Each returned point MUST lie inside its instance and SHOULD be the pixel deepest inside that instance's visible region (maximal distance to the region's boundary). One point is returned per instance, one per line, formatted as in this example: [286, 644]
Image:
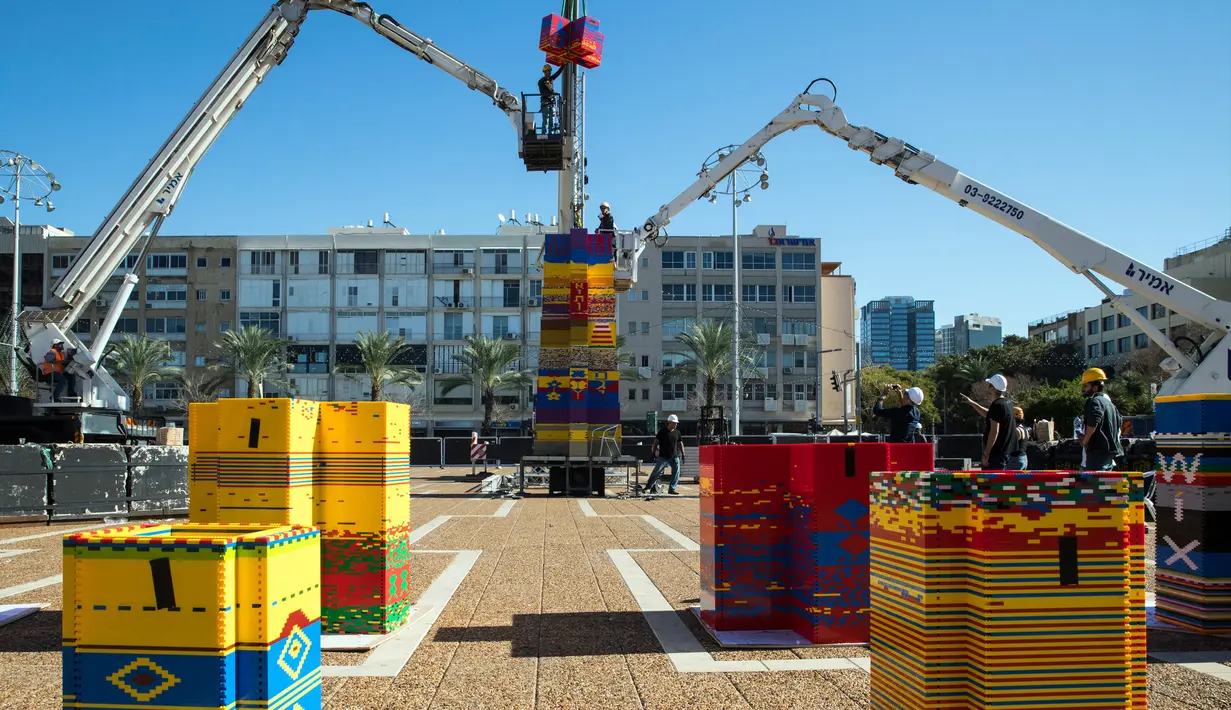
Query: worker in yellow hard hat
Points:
[548, 98]
[1100, 441]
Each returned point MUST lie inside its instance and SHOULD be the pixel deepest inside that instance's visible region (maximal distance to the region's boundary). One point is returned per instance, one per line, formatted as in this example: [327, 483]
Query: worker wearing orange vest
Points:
[53, 367]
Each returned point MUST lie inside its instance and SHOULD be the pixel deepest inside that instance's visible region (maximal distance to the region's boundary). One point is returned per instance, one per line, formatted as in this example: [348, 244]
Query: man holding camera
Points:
[904, 424]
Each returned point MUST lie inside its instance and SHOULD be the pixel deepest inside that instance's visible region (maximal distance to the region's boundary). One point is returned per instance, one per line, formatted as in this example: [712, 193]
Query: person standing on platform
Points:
[667, 450]
[548, 98]
[1017, 455]
[999, 425]
[1101, 440]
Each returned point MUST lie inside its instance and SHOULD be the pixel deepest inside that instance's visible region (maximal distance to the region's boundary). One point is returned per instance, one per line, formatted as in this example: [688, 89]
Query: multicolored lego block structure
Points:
[579, 378]
[1193, 506]
[577, 42]
[784, 536]
[1008, 590]
[192, 616]
[343, 467]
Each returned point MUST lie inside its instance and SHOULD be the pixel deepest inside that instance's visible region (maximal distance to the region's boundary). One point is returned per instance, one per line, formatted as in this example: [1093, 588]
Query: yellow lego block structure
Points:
[265, 450]
[196, 615]
[203, 462]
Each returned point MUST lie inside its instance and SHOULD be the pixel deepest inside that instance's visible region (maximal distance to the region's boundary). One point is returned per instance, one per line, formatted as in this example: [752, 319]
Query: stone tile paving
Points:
[543, 620]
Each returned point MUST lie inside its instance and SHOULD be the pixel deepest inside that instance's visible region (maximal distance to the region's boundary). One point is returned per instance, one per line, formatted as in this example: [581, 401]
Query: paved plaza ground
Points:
[550, 603]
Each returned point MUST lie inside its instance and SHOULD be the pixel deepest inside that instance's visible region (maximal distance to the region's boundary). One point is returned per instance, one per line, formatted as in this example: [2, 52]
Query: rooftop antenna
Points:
[388, 223]
[369, 224]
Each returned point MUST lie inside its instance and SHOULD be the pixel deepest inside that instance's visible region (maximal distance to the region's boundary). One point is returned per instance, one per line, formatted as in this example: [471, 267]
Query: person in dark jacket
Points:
[1101, 439]
[548, 97]
[904, 425]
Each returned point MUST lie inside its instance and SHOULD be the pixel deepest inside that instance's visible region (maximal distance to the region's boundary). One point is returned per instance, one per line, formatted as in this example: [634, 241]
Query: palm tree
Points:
[254, 355]
[384, 357]
[140, 361]
[974, 369]
[710, 356]
[489, 366]
[201, 385]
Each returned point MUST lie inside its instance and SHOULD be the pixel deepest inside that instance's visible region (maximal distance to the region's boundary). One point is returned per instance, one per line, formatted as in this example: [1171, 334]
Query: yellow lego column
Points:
[203, 462]
[363, 508]
[192, 616]
[264, 460]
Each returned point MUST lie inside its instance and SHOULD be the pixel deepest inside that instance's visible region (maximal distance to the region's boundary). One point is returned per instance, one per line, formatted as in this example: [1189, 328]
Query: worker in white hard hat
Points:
[54, 367]
[999, 424]
[548, 97]
[607, 225]
[904, 424]
[667, 450]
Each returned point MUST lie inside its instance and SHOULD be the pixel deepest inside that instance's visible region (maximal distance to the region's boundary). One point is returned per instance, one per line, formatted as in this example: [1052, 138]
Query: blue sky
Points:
[1112, 117]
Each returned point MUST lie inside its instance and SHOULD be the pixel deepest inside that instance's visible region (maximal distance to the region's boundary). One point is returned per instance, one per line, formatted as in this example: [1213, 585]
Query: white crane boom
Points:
[1208, 373]
[137, 217]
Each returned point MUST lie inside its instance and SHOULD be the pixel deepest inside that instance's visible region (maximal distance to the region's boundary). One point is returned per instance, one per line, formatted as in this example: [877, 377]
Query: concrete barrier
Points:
[158, 478]
[23, 481]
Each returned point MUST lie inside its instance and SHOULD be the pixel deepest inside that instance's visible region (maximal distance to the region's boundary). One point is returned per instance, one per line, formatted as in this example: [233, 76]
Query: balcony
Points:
[501, 270]
[771, 405]
[449, 302]
[502, 336]
[501, 302]
[645, 373]
[258, 270]
[675, 405]
[463, 269]
[763, 338]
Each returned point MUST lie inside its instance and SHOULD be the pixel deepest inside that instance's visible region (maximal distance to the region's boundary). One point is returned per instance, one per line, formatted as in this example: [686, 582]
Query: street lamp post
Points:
[16, 169]
[754, 170]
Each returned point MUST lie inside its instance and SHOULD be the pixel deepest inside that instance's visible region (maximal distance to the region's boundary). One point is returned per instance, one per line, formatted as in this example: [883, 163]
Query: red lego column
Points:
[744, 536]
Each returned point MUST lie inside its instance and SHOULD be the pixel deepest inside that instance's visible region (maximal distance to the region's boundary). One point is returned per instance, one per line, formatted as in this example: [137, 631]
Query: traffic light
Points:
[833, 378]
[813, 427]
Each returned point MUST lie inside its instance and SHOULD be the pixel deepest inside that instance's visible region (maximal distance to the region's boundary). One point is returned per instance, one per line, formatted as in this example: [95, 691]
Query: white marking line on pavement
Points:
[1205, 662]
[389, 658]
[30, 586]
[12, 553]
[61, 531]
[422, 531]
[679, 643]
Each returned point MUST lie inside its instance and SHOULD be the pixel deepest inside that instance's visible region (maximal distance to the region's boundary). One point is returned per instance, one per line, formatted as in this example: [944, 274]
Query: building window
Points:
[724, 260]
[799, 294]
[673, 259]
[224, 295]
[759, 292]
[1092, 327]
[645, 295]
[202, 262]
[225, 262]
[717, 292]
[500, 327]
[199, 361]
[202, 294]
[61, 261]
[352, 296]
[166, 295]
[165, 326]
[1123, 321]
[690, 260]
[1141, 340]
[162, 392]
[764, 326]
[645, 360]
[645, 327]
[632, 295]
[199, 328]
[126, 325]
[1125, 345]
[452, 326]
[261, 319]
[676, 391]
[1109, 347]
[310, 359]
[760, 260]
[82, 326]
[166, 261]
[1109, 323]
[679, 292]
[707, 260]
[799, 261]
[1158, 311]
[224, 326]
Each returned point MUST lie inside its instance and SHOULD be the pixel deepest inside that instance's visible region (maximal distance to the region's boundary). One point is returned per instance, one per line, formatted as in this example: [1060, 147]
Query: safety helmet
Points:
[605, 204]
[56, 341]
[673, 418]
[1094, 374]
[546, 67]
[999, 382]
[915, 395]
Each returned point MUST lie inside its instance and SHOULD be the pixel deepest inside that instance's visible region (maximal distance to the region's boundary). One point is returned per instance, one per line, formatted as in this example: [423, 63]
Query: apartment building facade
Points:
[321, 291]
[899, 331]
[945, 340]
[973, 331]
[795, 305]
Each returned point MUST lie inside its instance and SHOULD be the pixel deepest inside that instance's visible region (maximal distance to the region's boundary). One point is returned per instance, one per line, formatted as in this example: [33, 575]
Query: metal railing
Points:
[1203, 244]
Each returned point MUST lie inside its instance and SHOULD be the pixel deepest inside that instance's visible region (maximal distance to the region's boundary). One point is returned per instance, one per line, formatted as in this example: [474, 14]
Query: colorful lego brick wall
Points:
[579, 378]
[1193, 506]
[578, 41]
[192, 616]
[363, 509]
[784, 535]
[343, 467]
[1008, 590]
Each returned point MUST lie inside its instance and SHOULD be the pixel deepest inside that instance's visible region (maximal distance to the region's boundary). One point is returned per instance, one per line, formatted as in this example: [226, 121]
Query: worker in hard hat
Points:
[548, 98]
[607, 225]
[999, 424]
[904, 424]
[54, 367]
[667, 450]
[1101, 438]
